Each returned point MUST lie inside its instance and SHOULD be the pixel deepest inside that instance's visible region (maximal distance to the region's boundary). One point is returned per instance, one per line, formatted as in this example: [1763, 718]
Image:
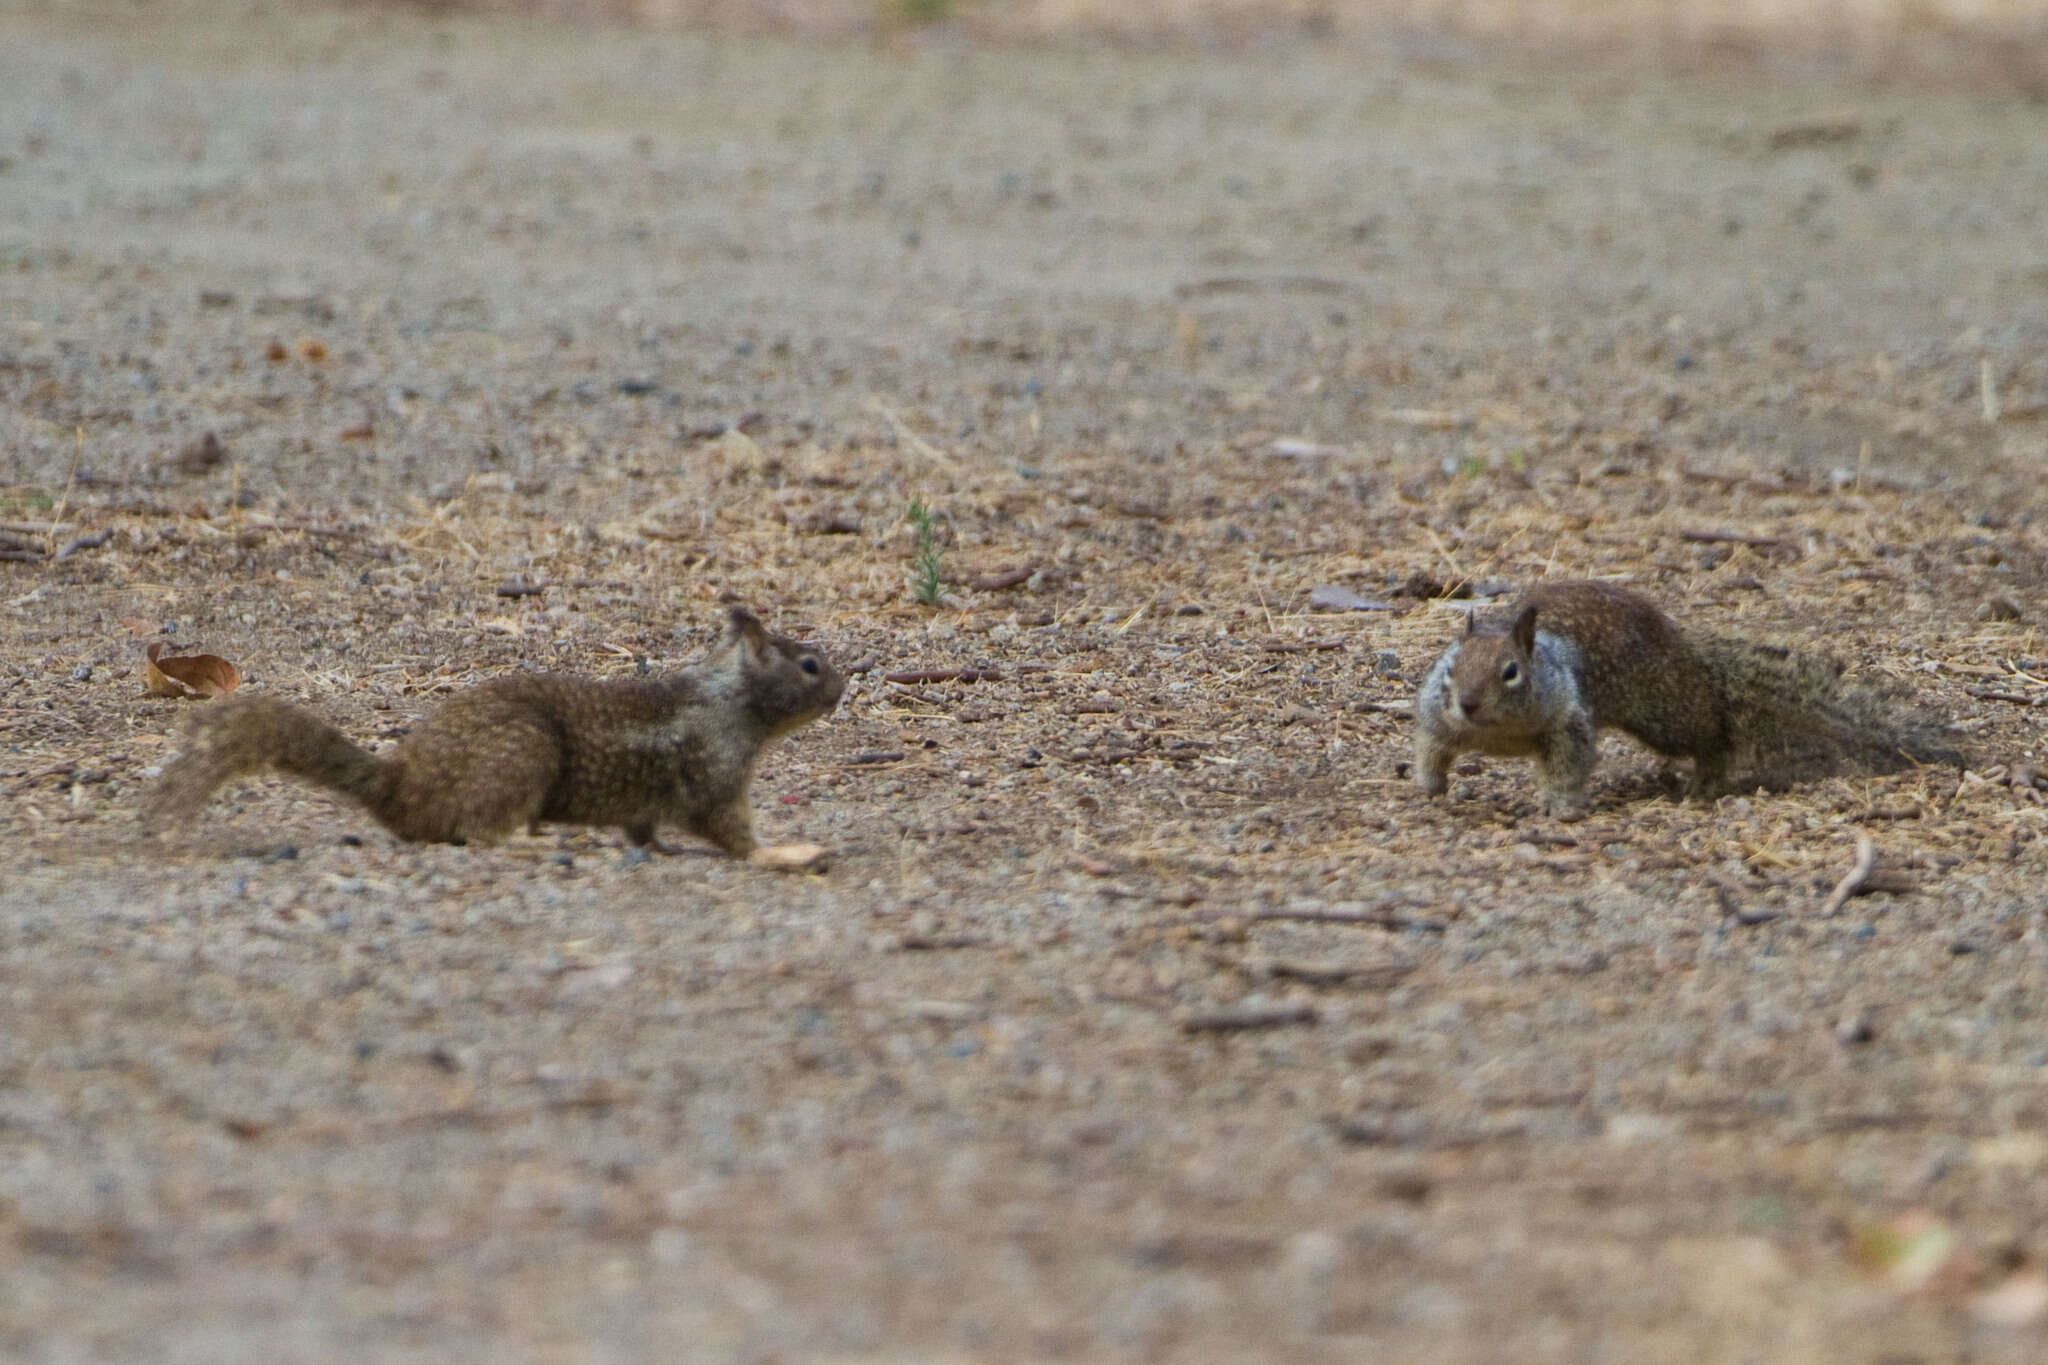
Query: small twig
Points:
[933, 943]
[1248, 1017]
[520, 589]
[1244, 284]
[1428, 419]
[909, 437]
[1737, 538]
[1377, 977]
[1814, 131]
[1993, 694]
[1347, 914]
[1859, 874]
[881, 756]
[305, 529]
[1338, 974]
[1750, 481]
[1133, 618]
[912, 694]
[88, 542]
[912, 676]
[70, 482]
[1009, 578]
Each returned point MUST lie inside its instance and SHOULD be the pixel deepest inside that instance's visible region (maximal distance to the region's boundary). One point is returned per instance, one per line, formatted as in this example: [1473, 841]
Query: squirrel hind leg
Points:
[472, 816]
[475, 794]
[641, 834]
[1710, 777]
[730, 826]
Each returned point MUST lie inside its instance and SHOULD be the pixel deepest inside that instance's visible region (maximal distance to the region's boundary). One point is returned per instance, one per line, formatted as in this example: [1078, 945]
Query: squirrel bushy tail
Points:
[242, 735]
[1798, 718]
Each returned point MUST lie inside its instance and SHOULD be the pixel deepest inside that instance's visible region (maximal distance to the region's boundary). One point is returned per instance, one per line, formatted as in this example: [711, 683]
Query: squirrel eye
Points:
[1510, 671]
[810, 663]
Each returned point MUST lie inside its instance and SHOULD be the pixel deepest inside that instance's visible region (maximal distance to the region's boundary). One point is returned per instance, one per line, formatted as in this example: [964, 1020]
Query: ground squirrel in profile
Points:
[534, 747]
[1574, 658]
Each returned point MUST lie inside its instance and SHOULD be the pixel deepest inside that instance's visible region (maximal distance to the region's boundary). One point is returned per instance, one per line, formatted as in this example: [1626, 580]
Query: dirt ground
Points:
[1168, 339]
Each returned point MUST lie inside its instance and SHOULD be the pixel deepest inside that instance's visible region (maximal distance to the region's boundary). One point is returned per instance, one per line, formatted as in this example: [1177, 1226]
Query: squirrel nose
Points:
[1470, 706]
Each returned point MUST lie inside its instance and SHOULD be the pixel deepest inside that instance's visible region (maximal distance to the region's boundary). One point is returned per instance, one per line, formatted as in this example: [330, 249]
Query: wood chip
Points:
[792, 857]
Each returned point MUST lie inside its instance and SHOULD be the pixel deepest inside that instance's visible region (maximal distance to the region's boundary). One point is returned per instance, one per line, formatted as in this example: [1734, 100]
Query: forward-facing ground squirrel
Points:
[534, 747]
[1574, 658]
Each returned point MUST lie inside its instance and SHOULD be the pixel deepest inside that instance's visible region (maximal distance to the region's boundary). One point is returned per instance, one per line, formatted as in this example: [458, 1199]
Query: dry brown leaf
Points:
[187, 675]
[1912, 1253]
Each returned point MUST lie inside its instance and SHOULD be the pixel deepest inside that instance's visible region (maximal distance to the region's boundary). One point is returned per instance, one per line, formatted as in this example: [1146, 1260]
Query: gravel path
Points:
[1144, 1012]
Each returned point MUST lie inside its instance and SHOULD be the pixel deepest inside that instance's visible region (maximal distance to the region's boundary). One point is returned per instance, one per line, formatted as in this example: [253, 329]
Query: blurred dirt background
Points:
[1144, 1012]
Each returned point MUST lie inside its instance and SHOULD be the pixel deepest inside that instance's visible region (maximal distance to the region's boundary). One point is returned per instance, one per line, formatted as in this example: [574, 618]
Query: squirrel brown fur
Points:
[1574, 658]
[534, 747]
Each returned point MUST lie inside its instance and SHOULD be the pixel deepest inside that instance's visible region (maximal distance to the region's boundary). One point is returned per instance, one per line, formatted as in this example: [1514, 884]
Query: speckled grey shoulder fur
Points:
[1555, 707]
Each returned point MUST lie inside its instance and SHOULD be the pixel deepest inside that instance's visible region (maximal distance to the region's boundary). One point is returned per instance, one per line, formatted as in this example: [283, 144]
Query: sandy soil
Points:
[659, 322]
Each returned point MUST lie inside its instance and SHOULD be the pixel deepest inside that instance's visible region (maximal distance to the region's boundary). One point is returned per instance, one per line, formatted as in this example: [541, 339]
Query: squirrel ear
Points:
[1524, 630]
[743, 625]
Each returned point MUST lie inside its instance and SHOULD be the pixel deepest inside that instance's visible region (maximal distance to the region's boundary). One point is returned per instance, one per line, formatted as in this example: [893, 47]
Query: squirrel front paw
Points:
[1432, 767]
